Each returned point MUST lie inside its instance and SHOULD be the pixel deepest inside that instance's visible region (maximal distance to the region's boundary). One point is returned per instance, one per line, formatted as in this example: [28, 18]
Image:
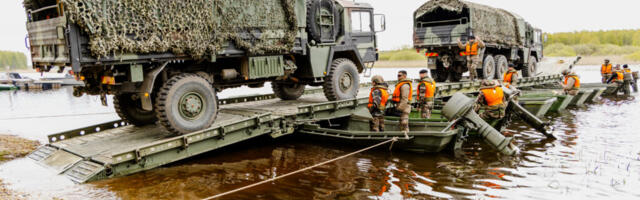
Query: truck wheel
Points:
[531, 69]
[186, 103]
[502, 66]
[287, 91]
[131, 111]
[316, 9]
[343, 80]
[488, 68]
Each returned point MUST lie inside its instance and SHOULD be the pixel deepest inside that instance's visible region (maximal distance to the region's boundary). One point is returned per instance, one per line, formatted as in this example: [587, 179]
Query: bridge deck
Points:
[117, 149]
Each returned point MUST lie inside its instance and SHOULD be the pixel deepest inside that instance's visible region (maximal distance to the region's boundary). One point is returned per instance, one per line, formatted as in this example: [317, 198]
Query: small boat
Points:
[581, 98]
[560, 104]
[538, 106]
[426, 135]
[8, 87]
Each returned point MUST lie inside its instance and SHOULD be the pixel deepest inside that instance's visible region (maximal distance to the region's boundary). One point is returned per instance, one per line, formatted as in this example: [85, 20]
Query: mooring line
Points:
[52, 116]
[394, 139]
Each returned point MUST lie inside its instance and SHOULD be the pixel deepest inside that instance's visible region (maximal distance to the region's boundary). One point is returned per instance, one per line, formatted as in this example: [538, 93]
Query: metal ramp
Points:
[117, 149]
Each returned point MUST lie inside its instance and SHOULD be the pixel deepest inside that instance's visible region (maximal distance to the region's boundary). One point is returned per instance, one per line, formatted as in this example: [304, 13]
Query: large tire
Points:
[186, 103]
[502, 66]
[131, 111]
[287, 91]
[343, 80]
[531, 69]
[488, 71]
[314, 7]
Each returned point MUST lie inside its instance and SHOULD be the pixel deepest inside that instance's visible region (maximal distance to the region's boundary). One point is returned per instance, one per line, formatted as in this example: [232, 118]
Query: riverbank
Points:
[12, 147]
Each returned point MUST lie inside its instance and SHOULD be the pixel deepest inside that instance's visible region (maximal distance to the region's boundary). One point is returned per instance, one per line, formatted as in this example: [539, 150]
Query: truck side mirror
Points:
[379, 22]
[546, 37]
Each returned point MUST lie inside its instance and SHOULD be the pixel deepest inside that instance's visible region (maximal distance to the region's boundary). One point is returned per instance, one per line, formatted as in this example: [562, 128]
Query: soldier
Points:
[627, 79]
[378, 98]
[492, 100]
[402, 99]
[606, 70]
[426, 93]
[474, 60]
[571, 84]
[510, 78]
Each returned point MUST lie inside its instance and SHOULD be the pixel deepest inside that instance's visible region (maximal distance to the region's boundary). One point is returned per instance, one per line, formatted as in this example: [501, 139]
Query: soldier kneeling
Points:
[378, 98]
[492, 101]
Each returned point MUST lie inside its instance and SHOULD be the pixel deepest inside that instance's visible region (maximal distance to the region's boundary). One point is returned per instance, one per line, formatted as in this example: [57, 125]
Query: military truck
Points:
[439, 24]
[165, 60]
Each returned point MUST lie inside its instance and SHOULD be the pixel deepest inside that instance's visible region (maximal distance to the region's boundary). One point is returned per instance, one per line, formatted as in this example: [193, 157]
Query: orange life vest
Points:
[576, 85]
[493, 96]
[606, 69]
[383, 101]
[430, 89]
[620, 76]
[507, 79]
[396, 92]
[627, 70]
[472, 49]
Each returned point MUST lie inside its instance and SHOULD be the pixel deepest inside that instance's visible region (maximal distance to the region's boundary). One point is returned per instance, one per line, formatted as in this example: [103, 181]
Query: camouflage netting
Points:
[491, 24]
[194, 27]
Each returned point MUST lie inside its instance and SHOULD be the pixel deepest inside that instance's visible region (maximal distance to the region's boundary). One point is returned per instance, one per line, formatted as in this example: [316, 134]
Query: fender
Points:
[349, 49]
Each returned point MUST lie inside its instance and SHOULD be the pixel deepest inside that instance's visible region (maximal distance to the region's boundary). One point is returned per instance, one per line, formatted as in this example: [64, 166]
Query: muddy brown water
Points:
[596, 156]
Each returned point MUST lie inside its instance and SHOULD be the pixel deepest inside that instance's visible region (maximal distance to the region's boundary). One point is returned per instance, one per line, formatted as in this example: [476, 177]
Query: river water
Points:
[596, 156]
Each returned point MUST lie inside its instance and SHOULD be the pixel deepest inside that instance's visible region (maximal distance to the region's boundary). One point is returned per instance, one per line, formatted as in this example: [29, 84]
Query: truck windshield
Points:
[360, 21]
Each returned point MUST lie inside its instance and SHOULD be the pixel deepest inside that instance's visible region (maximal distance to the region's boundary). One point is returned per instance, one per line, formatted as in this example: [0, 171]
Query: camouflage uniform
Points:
[491, 113]
[425, 105]
[377, 111]
[404, 106]
[473, 61]
[569, 86]
[628, 78]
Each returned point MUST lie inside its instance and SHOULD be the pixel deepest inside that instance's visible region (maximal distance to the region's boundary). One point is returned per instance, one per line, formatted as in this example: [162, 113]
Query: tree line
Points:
[13, 59]
[613, 37]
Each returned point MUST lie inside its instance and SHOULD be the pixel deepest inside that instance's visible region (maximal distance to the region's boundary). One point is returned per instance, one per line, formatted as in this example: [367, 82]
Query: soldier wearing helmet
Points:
[510, 78]
[378, 98]
[492, 101]
[571, 84]
[606, 70]
[425, 94]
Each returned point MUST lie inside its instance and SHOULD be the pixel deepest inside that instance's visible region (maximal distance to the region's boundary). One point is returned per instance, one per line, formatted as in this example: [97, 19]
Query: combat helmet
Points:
[377, 79]
[486, 83]
[566, 72]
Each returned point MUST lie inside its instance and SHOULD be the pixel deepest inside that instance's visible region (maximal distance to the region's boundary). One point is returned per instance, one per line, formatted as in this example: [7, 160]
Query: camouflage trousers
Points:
[473, 63]
[404, 122]
[605, 77]
[493, 113]
[377, 124]
[425, 108]
[572, 92]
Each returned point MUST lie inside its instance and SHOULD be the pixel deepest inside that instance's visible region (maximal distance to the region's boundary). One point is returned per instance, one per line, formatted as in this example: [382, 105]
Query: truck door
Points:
[362, 33]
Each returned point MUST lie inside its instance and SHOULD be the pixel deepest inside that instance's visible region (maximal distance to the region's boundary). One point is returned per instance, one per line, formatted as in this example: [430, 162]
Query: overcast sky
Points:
[549, 15]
